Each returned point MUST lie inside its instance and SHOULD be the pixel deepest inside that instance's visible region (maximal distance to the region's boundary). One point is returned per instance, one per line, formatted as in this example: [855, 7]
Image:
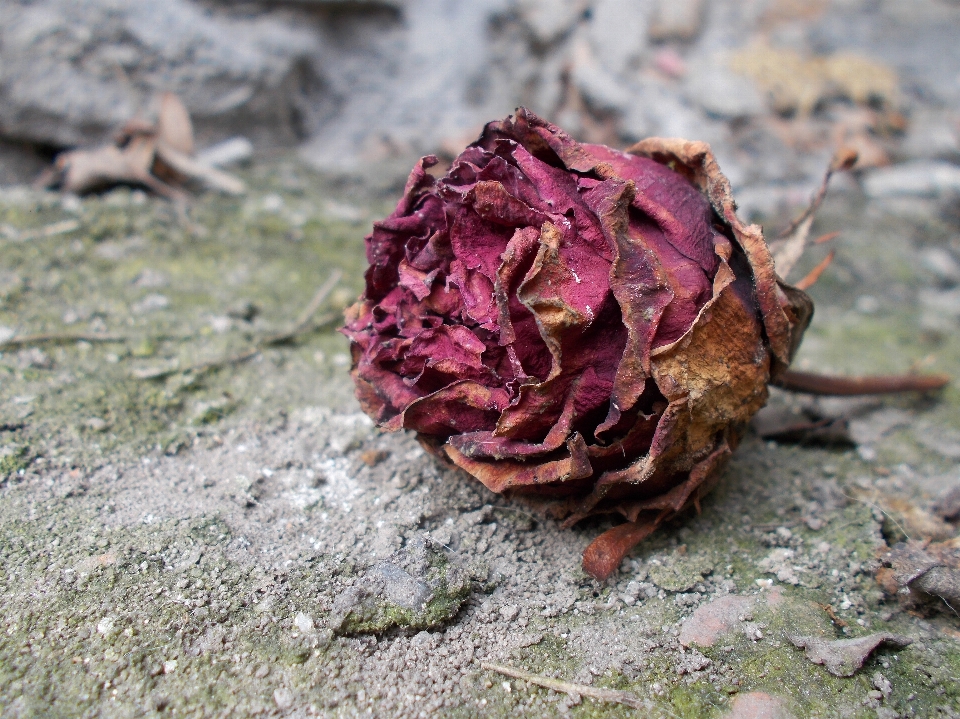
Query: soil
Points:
[181, 540]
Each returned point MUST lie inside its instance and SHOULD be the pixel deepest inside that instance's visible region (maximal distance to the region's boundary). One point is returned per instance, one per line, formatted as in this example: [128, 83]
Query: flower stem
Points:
[811, 383]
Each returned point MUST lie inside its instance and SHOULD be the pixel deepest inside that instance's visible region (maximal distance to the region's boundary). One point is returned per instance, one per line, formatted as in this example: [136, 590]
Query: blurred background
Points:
[186, 482]
[361, 87]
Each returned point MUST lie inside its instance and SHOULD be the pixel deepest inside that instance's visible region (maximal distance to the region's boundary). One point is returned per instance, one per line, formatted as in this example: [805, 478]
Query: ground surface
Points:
[239, 541]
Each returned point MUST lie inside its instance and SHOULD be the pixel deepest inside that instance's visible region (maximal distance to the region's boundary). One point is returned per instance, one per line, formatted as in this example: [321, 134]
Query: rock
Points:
[942, 440]
[283, 698]
[150, 278]
[942, 264]
[303, 622]
[417, 587]
[932, 133]
[62, 58]
[692, 662]
[617, 32]
[939, 309]
[679, 573]
[676, 20]
[600, 87]
[33, 358]
[948, 505]
[549, 19]
[873, 427]
[921, 178]
[402, 589]
[843, 657]
[720, 91]
[509, 612]
[780, 562]
[714, 620]
[759, 705]
[150, 303]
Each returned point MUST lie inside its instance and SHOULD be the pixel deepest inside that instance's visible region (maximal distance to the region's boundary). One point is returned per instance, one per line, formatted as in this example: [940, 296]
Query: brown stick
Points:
[811, 383]
[558, 685]
[279, 338]
[843, 159]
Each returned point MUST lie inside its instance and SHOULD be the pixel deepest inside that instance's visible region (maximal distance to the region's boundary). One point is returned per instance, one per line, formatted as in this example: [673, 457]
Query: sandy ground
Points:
[245, 543]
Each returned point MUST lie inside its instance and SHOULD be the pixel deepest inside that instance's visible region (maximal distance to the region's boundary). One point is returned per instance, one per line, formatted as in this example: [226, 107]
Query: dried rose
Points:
[581, 326]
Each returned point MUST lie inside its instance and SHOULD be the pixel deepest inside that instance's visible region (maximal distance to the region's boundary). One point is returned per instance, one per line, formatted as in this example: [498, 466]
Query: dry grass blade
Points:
[810, 279]
[790, 246]
[318, 299]
[57, 339]
[41, 233]
[558, 685]
[302, 326]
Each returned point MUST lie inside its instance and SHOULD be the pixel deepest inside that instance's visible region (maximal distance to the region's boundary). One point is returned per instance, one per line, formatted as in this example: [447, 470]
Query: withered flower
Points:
[588, 328]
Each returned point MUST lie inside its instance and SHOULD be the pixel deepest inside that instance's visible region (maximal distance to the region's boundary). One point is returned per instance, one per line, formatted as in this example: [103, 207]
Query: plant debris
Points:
[843, 657]
[798, 84]
[574, 690]
[158, 156]
[586, 328]
[923, 570]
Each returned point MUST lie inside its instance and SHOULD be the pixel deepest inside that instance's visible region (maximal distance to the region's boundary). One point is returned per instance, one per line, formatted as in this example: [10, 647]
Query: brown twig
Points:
[844, 159]
[811, 383]
[558, 685]
[302, 326]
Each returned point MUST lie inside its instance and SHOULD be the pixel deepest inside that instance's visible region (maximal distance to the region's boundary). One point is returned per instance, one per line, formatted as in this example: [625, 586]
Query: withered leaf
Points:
[932, 569]
[843, 657]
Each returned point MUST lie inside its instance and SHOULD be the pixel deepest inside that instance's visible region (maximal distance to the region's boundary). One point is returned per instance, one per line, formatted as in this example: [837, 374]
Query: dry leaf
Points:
[173, 124]
[930, 569]
[155, 156]
[843, 657]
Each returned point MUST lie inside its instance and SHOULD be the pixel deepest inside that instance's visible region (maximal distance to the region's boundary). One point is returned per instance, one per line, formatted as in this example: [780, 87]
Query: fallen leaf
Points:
[209, 176]
[157, 156]
[948, 506]
[173, 124]
[801, 426]
[843, 657]
[931, 569]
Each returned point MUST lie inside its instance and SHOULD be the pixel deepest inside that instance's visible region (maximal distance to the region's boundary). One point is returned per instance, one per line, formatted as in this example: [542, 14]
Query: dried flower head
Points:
[585, 327]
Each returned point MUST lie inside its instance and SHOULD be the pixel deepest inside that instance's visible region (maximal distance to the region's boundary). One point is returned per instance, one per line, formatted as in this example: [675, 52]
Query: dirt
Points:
[243, 542]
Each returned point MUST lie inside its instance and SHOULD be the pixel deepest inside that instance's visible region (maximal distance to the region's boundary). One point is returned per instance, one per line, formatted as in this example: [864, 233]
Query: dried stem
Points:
[789, 247]
[844, 159]
[302, 326]
[811, 277]
[57, 338]
[606, 695]
[811, 383]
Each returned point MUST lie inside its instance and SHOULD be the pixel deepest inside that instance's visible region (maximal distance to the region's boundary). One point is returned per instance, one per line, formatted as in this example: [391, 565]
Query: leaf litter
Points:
[156, 155]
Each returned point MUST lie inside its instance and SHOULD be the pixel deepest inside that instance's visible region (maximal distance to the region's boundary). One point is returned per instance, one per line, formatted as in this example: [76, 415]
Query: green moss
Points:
[14, 459]
[449, 587]
[88, 281]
